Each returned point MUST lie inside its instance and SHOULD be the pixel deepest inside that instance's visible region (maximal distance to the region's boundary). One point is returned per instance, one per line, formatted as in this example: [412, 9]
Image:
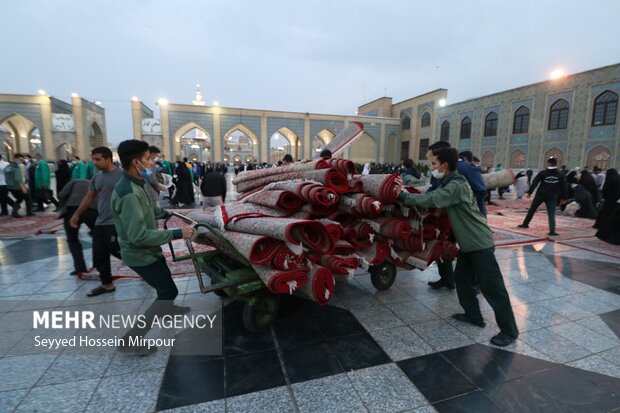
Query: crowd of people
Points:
[120, 205]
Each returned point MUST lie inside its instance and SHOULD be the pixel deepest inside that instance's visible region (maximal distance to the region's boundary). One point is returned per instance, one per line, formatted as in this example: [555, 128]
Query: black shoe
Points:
[178, 310]
[502, 339]
[523, 226]
[4, 214]
[77, 272]
[31, 214]
[16, 215]
[467, 319]
[137, 350]
[552, 234]
[441, 284]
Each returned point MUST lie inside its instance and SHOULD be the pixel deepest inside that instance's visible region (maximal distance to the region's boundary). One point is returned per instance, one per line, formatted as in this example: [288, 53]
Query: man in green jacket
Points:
[42, 183]
[79, 169]
[135, 217]
[476, 263]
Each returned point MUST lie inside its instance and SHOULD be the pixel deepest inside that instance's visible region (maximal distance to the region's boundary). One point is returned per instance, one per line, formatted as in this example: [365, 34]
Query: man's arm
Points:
[441, 197]
[86, 202]
[534, 183]
[131, 217]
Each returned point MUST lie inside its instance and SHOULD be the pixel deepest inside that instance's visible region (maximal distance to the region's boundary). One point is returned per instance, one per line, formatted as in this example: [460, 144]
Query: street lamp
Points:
[442, 102]
[557, 74]
[162, 101]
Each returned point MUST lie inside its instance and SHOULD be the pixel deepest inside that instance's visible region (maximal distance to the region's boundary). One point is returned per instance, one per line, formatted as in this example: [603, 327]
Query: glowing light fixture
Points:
[35, 141]
[97, 102]
[162, 101]
[216, 103]
[557, 74]
[75, 95]
[42, 92]
[135, 99]
[442, 102]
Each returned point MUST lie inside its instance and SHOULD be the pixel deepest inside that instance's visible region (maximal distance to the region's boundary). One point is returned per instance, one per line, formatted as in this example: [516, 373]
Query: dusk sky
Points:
[310, 56]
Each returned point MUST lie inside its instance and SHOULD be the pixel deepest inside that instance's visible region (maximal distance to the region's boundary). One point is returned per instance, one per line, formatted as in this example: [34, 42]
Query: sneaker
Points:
[441, 284]
[502, 339]
[467, 319]
[137, 350]
[523, 226]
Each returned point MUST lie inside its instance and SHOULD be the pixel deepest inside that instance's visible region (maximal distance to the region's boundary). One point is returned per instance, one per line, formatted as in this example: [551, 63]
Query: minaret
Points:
[198, 100]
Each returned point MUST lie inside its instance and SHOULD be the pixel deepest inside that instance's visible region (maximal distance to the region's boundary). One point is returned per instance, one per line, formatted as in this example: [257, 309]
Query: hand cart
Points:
[234, 277]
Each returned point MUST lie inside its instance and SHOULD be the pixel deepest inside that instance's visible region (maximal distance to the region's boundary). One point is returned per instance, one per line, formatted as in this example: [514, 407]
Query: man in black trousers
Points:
[552, 186]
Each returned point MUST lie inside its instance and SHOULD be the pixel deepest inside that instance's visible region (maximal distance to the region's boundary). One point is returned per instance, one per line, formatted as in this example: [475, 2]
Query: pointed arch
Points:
[322, 138]
[238, 151]
[517, 159]
[599, 156]
[188, 127]
[95, 137]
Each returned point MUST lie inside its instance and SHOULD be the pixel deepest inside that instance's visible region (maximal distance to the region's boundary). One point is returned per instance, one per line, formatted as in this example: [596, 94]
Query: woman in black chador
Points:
[185, 188]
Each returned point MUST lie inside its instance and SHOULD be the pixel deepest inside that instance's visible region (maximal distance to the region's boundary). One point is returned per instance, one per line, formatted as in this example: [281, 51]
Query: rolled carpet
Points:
[339, 264]
[221, 215]
[310, 234]
[311, 192]
[278, 199]
[328, 177]
[375, 254]
[498, 179]
[360, 204]
[383, 186]
[263, 250]
[359, 234]
[282, 282]
[320, 285]
[298, 166]
[412, 244]
[345, 137]
[394, 228]
[333, 228]
[344, 248]
[344, 166]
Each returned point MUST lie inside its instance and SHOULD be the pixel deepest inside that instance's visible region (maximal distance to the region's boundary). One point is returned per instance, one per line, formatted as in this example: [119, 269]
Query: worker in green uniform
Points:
[476, 263]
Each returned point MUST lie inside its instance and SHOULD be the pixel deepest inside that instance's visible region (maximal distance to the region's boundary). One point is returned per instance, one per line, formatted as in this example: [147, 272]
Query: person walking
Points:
[105, 240]
[140, 240]
[42, 183]
[213, 188]
[476, 263]
[69, 200]
[15, 183]
[552, 187]
[63, 175]
[5, 200]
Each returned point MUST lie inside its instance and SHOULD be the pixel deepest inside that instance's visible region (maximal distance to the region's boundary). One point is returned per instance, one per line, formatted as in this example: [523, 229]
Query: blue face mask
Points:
[145, 173]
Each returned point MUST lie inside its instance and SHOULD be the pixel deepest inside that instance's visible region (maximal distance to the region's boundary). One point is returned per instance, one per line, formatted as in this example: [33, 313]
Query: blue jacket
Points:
[472, 174]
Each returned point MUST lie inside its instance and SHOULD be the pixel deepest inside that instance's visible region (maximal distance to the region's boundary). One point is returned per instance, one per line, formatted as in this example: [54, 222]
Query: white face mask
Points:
[436, 174]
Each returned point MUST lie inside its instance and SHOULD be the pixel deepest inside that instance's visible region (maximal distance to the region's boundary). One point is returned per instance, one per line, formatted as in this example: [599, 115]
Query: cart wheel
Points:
[383, 275]
[262, 314]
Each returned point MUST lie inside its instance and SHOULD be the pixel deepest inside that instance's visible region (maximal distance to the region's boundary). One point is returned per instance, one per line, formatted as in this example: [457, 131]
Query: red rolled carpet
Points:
[320, 285]
[382, 187]
[359, 234]
[339, 264]
[345, 137]
[278, 199]
[412, 244]
[344, 166]
[298, 166]
[282, 282]
[376, 253]
[360, 204]
[263, 250]
[394, 228]
[329, 177]
[310, 234]
[311, 192]
[344, 248]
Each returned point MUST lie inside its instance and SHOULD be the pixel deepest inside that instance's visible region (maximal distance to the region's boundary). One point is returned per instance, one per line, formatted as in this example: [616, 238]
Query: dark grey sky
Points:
[314, 56]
